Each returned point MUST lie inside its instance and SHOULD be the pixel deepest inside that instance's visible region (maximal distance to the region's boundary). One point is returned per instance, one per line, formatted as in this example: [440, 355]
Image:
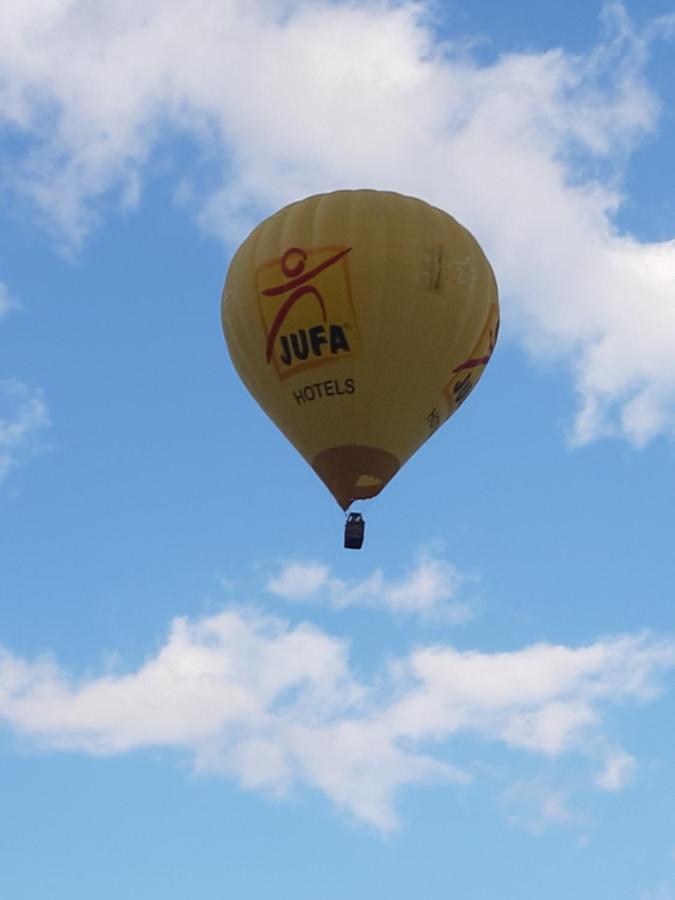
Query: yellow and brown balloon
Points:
[360, 321]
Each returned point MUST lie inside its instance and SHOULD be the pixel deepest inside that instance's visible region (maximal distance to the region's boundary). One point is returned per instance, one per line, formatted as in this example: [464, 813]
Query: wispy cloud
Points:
[300, 97]
[430, 588]
[665, 890]
[7, 302]
[23, 416]
[617, 772]
[299, 581]
[272, 706]
[536, 804]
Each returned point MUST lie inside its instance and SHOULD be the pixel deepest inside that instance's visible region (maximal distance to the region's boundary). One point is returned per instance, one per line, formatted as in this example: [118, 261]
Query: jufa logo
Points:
[306, 308]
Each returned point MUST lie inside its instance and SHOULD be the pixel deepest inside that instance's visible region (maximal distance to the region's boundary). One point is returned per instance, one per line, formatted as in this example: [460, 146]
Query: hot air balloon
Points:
[360, 321]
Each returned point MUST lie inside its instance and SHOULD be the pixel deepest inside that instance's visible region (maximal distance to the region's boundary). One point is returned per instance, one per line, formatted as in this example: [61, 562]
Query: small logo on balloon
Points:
[307, 309]
[465, 376]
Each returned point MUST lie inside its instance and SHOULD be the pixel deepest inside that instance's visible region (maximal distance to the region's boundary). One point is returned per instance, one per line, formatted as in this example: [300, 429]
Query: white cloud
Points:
[429, 589]
[300, 97]
[23, 411]
[23, 415]
[544, 698]
[299, 581]
[248, 697]
[618, 771]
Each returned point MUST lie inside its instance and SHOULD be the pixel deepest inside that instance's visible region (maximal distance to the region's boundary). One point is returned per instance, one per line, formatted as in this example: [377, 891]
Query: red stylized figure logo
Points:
[293, 264]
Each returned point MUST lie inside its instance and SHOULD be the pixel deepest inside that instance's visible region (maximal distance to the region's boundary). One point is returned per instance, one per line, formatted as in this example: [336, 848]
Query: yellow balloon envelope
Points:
[360, 321]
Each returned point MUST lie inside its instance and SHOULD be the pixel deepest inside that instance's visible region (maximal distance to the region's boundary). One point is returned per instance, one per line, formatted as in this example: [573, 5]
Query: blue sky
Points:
[201, 692]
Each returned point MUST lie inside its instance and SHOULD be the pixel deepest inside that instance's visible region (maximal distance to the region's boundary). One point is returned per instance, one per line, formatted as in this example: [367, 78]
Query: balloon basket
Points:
[355, 527]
